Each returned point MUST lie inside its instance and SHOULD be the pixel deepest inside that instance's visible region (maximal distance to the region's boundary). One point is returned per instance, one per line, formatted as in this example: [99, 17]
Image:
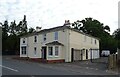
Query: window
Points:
[95, 42]
[23, 40]
[56, 35]
[23, 49]
[44, 37]
[35, 38]
[50, 51]
[35, 50]
[56, 50]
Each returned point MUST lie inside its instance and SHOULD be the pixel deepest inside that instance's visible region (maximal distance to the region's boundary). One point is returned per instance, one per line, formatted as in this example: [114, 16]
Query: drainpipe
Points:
[69, 51]
[27, 47]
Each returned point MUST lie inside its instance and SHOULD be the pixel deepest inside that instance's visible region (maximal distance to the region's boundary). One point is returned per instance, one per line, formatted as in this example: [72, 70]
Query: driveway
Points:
[17, 67]
[96, 67]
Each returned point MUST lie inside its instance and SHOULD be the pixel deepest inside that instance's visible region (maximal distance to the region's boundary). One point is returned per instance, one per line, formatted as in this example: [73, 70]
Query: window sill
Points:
[24, 54]
[23, 44]
[55, 40]
[50, 56]
[35, 43]
[56, 56]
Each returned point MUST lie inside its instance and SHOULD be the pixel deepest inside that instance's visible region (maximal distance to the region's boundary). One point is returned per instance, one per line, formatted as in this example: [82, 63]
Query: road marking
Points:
[9, 68]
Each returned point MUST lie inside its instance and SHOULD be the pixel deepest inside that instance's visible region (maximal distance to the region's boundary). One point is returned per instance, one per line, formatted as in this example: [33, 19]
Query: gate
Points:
[76, 54]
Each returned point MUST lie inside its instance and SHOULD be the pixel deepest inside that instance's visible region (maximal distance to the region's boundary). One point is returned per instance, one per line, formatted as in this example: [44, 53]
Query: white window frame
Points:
[95, 41]
[24, 50]
[44, 37]
[35, 38]
[23, 41]
[51, 51]
[56, 36]
[57, 51]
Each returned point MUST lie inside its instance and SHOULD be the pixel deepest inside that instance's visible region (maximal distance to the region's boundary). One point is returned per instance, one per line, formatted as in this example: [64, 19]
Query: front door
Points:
[72, 54]
[44, 52]
[86, 54]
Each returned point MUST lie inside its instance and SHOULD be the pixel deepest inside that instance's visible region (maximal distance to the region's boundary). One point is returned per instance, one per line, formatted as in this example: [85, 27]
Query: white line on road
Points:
[9, 68]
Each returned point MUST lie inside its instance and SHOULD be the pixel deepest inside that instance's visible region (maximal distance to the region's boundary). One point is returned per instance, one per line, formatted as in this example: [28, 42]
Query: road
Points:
[18, 67]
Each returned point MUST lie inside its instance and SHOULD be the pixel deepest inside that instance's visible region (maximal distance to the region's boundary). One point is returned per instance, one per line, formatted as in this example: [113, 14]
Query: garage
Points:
[76, 55]
[84, 54]
[95, 53]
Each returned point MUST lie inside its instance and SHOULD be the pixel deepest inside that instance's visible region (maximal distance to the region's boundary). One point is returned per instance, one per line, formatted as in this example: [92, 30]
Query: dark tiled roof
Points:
[54, 43]
[56, 29]
[47, 30]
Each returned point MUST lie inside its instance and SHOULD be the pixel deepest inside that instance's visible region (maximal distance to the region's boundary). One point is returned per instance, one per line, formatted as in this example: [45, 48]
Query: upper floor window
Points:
[95, 42]
[44, 37]
[56, 36]
[23, 40]
[35, 38]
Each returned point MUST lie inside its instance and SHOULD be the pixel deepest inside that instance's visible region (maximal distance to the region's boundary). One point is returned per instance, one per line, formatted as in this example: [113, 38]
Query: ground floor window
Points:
[56, 50]
[50, 51]
[35, 50]
[23, 49]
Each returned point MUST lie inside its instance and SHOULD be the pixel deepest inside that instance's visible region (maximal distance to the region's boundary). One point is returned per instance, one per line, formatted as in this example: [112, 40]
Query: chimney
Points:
[67, 23]
[38, 28]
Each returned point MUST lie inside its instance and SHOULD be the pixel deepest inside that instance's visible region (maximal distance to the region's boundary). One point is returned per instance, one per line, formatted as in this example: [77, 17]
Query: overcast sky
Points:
[51, 13]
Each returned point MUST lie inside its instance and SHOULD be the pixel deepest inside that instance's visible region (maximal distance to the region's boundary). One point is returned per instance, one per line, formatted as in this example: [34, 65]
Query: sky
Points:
[52, 13]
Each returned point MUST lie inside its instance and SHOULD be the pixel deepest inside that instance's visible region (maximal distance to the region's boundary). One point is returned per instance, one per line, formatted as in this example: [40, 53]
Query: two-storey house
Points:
[60, 43]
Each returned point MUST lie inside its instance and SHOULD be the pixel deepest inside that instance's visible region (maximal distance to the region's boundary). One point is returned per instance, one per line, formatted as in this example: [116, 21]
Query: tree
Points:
[31, 30]
[116, 35]
[5, 30]
[77, 25]
[12, 28]
[22, 26]
[91, 26]
[11, 34]
[107, 28]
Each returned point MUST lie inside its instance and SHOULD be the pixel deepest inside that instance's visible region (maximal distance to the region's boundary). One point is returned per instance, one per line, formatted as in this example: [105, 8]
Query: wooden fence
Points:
[113, 61]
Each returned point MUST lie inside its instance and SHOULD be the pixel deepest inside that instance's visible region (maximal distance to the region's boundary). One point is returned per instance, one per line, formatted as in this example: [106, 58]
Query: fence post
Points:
[109, 62]
[112, 61]
[118, 58]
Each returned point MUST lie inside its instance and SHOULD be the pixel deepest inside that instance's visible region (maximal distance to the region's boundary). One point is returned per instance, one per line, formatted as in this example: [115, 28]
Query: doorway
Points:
[76, 54]
[86, 54]
[44, 52]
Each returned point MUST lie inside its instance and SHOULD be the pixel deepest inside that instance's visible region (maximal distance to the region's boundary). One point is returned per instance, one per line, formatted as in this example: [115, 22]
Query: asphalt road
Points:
[18, 67]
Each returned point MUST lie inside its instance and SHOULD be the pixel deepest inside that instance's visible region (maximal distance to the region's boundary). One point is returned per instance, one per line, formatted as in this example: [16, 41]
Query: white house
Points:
[60, 43]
